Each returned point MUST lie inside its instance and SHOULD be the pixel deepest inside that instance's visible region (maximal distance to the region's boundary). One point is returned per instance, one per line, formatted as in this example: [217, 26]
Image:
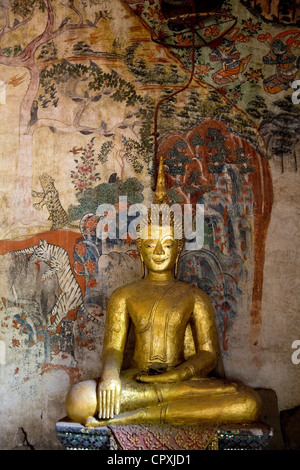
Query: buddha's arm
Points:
[116, 329]
[205, 337]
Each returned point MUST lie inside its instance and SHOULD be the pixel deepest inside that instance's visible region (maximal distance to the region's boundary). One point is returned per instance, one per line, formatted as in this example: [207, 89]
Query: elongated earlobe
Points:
[176, 268]
[143, 267]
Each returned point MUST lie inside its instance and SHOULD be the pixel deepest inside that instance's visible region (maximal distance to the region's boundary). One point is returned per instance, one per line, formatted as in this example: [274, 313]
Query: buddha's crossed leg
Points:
[190, 402]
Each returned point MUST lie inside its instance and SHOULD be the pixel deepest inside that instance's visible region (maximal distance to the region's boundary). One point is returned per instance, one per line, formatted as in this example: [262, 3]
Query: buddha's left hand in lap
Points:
[197, 366]
[172, 376]
[165, 377]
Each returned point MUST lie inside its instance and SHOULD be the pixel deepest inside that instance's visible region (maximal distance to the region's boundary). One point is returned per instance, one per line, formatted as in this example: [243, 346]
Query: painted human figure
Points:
[286, 69]
[232, 65]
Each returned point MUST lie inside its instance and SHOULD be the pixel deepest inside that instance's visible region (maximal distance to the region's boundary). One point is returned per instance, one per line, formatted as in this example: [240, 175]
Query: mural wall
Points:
[91, 92]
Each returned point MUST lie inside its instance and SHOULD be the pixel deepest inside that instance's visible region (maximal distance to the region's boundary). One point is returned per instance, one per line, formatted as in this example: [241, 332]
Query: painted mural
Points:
[91, 92]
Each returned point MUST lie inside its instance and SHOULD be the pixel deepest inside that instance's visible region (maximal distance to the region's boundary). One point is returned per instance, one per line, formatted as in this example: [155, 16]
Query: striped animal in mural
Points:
[70, 296]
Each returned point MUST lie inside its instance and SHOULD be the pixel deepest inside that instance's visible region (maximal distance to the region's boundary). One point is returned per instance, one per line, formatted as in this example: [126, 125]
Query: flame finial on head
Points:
[160, 196]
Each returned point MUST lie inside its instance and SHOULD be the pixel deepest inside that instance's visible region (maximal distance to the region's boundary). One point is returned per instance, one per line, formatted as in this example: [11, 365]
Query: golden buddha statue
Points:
[175, 350]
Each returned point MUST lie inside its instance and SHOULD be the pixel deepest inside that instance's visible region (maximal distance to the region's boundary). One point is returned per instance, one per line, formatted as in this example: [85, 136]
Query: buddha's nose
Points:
[158, 250]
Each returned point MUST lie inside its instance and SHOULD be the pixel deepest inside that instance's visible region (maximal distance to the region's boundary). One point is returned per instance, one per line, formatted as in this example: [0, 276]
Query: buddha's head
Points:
[159, 248]
[159, 238]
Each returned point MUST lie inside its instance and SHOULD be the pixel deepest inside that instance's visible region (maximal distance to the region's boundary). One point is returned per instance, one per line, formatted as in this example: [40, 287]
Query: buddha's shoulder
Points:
[188, 286]
[140, 285]
[126, 289]
[194, 291]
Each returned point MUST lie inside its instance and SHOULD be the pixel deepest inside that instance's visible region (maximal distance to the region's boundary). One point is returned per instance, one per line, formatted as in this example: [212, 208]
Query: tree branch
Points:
[50, 19]
[75, 126]
[17, 24]
[73, 94]
[77, 12]
[80, 111]
[6, 27]
[48, 33]
[61, 127]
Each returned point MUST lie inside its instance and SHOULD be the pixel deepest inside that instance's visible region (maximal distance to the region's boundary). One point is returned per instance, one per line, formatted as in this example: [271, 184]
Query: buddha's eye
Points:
[149, 245]
[168, 244]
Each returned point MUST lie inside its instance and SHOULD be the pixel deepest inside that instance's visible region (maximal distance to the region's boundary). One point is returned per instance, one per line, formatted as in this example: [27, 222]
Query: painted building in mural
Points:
[91, 91]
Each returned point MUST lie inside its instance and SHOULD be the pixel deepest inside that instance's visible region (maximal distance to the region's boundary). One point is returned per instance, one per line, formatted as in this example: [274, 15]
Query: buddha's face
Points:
[159, 248]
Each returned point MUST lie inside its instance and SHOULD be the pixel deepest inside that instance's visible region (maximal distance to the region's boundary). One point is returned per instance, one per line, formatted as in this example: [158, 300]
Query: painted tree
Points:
[196, 158]
[15, 15]
[108, 193]
[147, 72]
[185, 167]
[85, 84]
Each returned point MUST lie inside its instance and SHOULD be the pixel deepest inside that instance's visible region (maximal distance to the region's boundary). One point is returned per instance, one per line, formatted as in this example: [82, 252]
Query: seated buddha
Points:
[175, 349]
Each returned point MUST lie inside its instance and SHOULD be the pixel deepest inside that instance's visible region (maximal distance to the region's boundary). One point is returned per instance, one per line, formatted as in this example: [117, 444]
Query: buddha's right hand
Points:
[109, 397]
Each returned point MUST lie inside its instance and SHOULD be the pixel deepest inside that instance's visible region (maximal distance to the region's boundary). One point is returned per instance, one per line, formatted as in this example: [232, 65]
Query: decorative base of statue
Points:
[74, 436]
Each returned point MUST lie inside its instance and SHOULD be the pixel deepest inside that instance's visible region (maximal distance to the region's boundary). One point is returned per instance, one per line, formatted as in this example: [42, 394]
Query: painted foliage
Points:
[77, 73]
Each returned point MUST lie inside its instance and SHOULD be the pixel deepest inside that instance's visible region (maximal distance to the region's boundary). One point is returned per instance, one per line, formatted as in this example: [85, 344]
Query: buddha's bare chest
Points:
[160, 308]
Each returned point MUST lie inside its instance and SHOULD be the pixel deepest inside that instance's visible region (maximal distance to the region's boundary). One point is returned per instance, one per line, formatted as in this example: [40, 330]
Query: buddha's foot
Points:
[131, 417]
[92, 422]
